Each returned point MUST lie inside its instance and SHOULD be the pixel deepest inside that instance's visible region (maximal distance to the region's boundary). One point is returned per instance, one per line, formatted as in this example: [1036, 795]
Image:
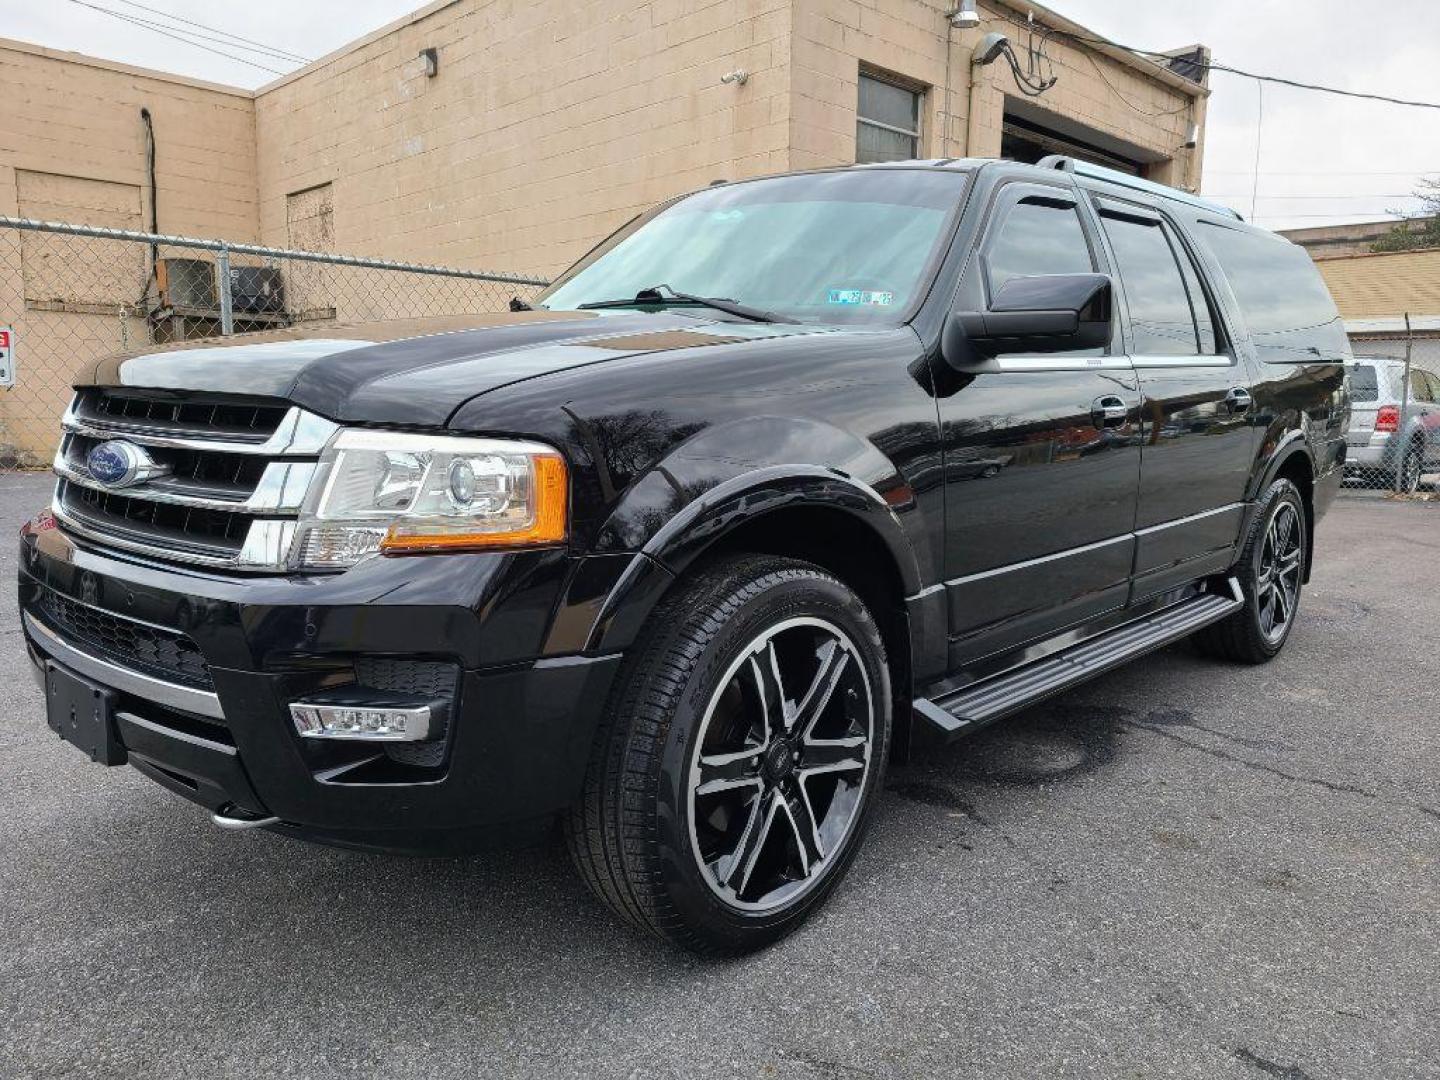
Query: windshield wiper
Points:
[653, 295]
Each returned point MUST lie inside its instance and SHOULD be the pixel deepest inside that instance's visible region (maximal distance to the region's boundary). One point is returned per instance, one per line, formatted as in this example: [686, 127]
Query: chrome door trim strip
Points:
[1028, 362]
[1175, 522]
[185, 698]
[1158, 360]
[996, 571]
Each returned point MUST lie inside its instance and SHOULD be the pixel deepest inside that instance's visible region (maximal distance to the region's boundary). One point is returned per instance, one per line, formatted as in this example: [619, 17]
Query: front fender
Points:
[741, 499]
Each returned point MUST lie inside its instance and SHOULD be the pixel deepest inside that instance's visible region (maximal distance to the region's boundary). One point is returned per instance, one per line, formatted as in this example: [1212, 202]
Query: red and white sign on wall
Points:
[7, 356]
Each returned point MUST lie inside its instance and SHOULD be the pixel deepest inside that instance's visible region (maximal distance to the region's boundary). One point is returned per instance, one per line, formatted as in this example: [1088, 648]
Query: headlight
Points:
[391, 492]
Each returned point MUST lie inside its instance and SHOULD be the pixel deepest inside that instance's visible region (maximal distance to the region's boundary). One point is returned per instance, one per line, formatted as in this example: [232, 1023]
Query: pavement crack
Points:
[1225, 755]
[1271, 1068]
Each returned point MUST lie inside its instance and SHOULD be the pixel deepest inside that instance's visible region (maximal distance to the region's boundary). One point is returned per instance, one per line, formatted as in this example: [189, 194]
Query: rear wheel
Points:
[1271, 572]
[733, 776]
[1407, 474]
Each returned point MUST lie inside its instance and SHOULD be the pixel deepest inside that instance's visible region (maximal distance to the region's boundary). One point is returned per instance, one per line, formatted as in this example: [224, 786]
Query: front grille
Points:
[233, 472]
[152, 650]
[171, 413]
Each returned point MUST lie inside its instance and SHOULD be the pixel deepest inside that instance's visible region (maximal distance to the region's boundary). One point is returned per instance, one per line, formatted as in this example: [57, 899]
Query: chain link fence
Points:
[71, 295]
[1394, 438]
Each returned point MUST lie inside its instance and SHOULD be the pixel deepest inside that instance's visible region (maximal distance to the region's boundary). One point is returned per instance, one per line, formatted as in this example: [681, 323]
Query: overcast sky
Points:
[1323, 159]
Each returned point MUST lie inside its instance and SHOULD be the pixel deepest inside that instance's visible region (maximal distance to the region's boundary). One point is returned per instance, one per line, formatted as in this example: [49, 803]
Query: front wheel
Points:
[735, 770]
[1271, 572]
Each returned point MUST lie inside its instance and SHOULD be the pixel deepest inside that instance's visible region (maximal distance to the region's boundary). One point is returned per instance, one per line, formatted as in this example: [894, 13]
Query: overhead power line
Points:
[1165, 57]
[175, 34]
[283, 54]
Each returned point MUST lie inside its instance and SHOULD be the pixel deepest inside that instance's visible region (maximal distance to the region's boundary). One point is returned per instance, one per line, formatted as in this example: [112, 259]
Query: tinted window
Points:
[1286, 306]
[1199, 302]
[1038, 238]
[1420, 387]
[1161, 318]
[1364, 383]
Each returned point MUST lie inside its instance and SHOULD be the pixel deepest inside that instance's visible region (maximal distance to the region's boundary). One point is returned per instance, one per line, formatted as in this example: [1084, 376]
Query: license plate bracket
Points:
[83, 714]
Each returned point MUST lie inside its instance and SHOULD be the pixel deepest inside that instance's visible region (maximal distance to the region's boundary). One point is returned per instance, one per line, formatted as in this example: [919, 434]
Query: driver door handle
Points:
[1109, 411]
[1238, 399]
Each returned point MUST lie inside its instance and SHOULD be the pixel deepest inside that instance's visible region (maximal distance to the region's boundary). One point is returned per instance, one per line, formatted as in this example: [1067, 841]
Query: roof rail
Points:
[1123, 179]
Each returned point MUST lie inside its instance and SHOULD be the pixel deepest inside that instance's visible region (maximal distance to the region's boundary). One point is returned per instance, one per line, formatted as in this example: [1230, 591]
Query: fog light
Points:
[367, 716]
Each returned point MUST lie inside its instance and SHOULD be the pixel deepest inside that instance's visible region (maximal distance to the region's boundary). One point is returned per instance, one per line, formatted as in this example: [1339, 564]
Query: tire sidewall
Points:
[1282, 493]
[783, 595]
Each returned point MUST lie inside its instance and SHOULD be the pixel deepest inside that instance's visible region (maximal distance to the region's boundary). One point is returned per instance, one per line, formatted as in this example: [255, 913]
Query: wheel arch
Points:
[1292, 461]
[817, 515]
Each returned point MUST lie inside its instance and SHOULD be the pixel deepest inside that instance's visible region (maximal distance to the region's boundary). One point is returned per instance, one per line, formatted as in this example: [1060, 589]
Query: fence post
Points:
[222, 281]
[1403, 431]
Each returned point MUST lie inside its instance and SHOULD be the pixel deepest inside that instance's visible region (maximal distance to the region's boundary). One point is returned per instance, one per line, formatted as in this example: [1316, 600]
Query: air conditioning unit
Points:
[186, 283]
[257, 290]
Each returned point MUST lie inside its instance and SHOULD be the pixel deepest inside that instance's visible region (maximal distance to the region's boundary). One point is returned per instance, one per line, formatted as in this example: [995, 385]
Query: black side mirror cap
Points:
[1049, 313]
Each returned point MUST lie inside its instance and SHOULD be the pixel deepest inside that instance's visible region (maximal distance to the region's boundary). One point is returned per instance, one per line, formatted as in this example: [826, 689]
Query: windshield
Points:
[851, 247]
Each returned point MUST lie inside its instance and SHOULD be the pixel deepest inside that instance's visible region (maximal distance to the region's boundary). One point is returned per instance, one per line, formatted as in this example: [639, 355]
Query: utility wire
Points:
[1211, 65]
[174, 35]
[266, 52]
[262, 47]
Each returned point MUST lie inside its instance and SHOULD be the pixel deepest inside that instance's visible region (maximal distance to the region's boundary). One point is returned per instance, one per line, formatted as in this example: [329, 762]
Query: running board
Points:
[973, 706]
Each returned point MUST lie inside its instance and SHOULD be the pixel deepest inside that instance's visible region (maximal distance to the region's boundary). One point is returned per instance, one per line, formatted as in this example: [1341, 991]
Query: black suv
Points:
[782, 480]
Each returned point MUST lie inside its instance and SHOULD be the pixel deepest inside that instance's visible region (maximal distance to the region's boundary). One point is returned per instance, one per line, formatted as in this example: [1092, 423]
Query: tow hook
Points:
[229, 817]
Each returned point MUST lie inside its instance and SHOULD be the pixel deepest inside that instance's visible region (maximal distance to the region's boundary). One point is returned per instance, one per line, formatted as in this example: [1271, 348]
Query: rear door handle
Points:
[1109, 411]
[1238, 399]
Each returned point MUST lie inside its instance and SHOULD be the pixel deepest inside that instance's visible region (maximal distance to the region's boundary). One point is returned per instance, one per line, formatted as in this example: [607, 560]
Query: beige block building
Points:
[502, 135]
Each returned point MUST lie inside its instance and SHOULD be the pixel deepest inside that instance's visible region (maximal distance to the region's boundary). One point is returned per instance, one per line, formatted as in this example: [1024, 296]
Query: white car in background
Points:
[1394, 437]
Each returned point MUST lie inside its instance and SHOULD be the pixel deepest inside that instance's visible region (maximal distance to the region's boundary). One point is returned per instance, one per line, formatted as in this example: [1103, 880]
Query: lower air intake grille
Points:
[151, 650]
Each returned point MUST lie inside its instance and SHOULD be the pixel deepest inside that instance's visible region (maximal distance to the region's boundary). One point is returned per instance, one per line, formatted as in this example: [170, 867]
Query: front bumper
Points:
[522, 722]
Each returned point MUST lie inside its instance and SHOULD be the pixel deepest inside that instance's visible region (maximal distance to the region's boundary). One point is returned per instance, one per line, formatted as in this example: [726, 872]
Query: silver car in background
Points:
[1394, 435]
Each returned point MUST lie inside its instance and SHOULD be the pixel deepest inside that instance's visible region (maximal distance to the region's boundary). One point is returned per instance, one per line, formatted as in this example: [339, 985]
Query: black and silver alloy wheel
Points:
[739, 756]
[1278, 571]
[1271, 572]
[780, 764]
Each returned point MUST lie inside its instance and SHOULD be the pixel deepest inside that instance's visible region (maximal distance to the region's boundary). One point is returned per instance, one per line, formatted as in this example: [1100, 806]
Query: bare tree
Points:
[1419, 230]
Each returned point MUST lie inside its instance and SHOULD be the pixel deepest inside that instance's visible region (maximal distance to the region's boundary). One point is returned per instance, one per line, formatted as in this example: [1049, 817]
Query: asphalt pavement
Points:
[1185, 869]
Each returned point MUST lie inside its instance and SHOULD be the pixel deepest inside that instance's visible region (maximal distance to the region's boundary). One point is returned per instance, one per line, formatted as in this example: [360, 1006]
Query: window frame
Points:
[1104, 204]
[917, 90]
[1007, 194]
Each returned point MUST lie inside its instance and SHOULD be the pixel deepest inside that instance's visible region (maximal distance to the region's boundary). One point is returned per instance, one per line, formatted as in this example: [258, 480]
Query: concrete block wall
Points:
[833, 39]
[72, 148]
[548, 124]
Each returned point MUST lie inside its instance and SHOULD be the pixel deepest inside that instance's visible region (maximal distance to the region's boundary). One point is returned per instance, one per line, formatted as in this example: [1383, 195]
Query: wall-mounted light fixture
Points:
[431, 57]
[739, 77]
[965, 17]
[1192, 136]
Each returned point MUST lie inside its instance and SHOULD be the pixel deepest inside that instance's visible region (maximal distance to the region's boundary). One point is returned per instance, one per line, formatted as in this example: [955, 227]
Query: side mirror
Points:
[1051, 313]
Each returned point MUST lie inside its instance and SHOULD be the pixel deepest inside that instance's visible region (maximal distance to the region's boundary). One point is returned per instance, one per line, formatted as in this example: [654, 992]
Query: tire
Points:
[700, 749]
[1408, 472]
[1271, 572]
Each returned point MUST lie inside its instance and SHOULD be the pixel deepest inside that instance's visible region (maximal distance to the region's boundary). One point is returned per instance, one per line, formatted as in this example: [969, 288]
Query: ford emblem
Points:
[118, 463]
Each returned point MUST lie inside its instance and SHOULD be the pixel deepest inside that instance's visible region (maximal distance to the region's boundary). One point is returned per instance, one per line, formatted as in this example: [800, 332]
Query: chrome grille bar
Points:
[225, 507]
[281, 489]
[300, 433]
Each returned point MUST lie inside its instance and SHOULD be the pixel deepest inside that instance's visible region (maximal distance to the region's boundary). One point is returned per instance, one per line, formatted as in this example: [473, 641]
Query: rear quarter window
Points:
[1282, 297]
[1364, 383]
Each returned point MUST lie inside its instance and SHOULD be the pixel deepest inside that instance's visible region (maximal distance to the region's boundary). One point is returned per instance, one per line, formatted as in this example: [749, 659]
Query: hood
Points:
[419, 372]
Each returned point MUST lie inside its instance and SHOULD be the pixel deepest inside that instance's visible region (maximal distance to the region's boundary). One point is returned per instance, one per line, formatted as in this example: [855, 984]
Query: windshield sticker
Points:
[860, 296]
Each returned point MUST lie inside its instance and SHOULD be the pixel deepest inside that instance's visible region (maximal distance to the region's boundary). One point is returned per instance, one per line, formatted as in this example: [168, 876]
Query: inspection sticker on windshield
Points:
[860, 296]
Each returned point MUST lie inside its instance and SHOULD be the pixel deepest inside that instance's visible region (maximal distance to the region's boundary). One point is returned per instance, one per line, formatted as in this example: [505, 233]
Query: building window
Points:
[887, 121]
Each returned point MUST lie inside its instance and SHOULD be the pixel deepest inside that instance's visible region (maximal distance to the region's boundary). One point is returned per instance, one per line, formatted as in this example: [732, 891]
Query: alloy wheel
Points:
[780, 764]
[1278, 576]
[1410, 469]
